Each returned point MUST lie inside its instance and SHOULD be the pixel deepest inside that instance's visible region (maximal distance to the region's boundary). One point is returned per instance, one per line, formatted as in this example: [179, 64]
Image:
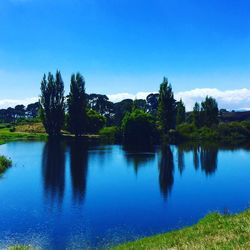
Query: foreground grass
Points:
[215, 231]
[20, 248]
[5, 163]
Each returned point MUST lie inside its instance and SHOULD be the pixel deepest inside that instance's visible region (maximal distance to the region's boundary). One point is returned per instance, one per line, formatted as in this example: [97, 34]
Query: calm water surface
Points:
[72, 196]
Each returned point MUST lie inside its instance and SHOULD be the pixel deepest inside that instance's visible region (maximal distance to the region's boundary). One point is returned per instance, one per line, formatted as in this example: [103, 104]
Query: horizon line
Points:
[234, 99]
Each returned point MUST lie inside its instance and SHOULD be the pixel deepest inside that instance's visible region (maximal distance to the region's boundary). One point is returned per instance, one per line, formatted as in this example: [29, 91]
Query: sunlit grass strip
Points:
[215, 231]
[5, 163]
[18, 247]
[30, 128]
[6, 135]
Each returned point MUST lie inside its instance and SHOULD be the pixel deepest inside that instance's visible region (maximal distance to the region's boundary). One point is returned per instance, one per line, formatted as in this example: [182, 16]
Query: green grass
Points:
[215, 231]
[5, 163]
[18, 247]
[232, 132]
[110, 134]
[34, 127]
[32, 131]
[6, 135]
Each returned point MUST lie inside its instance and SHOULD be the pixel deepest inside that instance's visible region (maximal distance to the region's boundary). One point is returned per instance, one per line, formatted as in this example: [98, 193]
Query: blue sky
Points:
[124, 46]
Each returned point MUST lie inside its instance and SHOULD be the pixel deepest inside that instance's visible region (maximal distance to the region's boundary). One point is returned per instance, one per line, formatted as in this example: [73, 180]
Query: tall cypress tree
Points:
[52, 103]
[210, 111]
[77, 105]
[167, 107]
[180, 112]
[197, 115]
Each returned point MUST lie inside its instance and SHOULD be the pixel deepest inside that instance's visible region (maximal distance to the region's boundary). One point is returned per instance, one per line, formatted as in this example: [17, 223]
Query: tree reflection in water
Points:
[181, 163]
[78, 168]
[53, 170]
[139, 156]
[196, 157]
[53, 166]
[166, 171]
[208, 159]
[204, 156]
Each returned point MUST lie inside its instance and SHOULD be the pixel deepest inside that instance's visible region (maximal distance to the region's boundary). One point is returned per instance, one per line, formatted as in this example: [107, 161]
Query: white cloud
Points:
[237, 99]
[230, 99]
[5, 103]
[121, 96]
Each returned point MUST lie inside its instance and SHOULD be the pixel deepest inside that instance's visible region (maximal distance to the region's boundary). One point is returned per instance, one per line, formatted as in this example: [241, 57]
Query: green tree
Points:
[197, 115]
[138, 128]
[95, 121]
[209, 111]
[180, 113]
[167, 107]
[77, 105]
[52, 103]
[120, 109]
[139, 104]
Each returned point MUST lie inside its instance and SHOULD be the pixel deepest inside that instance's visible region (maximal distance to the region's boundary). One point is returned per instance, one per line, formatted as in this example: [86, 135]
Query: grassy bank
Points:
[7, 135]
[20, 248]
[215, 231]
[5, 163]
[231, 133]
[32, 127]
[32, 131]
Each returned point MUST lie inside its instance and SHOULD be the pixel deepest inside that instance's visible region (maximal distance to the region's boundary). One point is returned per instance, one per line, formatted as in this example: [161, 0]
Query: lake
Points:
[69, 195]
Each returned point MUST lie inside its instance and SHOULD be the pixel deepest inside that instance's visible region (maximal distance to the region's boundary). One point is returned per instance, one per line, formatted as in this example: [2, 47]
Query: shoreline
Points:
[214, 231]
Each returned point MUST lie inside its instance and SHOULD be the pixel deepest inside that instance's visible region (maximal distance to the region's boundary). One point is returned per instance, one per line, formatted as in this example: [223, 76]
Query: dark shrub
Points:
[95, 121]
[4, 163]
[138, 128]
[111, 134]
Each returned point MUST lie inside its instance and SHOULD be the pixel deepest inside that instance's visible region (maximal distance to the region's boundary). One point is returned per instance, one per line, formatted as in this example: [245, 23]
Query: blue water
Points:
[74, 196]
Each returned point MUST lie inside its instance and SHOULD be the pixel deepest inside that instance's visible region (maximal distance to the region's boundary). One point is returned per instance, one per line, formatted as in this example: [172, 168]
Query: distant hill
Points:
[235, 116]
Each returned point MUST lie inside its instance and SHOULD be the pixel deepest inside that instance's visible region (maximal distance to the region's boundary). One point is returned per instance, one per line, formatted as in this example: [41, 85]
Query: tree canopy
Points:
[209, 111]
[138, 128]
[180, 113]
[197, 115]
[77, 105]
[52, 103]
[95, 121]
[167, 107]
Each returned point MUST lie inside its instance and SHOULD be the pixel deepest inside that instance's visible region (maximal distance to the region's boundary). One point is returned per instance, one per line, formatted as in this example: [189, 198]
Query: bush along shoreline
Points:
[5, 163]
[225, 133]
[231, 133]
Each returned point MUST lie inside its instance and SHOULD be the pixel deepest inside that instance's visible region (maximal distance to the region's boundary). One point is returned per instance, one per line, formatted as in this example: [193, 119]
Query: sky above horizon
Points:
[124, 48]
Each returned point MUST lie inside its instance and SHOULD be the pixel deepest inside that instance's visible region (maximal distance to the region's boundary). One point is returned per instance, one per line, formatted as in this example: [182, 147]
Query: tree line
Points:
[142, 121]
[138, 119]
[19, 112]
[146, 128]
